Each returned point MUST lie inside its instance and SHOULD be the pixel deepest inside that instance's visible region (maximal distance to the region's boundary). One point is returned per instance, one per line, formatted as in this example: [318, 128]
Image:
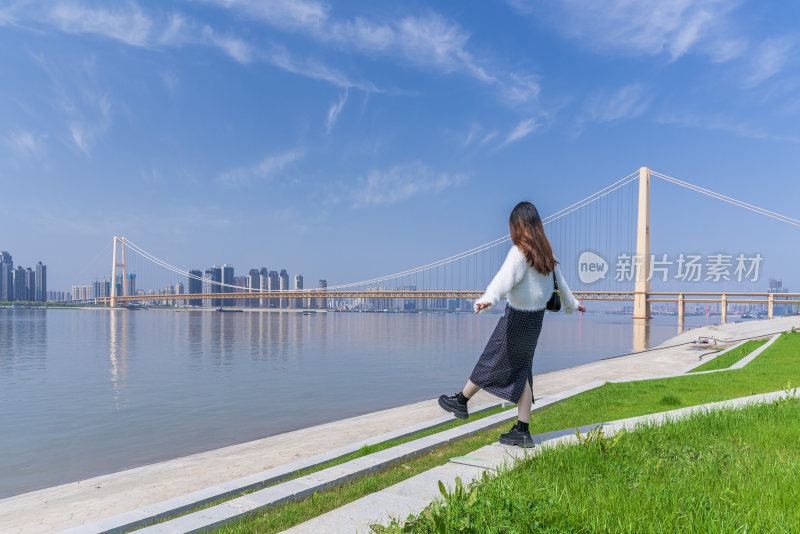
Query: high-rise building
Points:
[6, 278]
[30, 284]
[321, 302]
[179, 290]
[6, 282]
[227, 278]
[241, 281]
[409, 304]
[19, 284]
[776, 286]
[254, 285]
[82, 293]
[212, 274]
[298, 284]
[101, 288]
[263, 285]
[41, 282]
[130, 284]
[284, 281]
[274, 285]
[54, 295]
[195, 284]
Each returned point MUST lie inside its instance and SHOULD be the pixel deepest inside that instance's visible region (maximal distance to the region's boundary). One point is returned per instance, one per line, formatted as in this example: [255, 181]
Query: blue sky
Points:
[352, 139]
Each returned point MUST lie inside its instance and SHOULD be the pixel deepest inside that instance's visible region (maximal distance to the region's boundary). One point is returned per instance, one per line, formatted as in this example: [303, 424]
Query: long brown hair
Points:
[527, 233]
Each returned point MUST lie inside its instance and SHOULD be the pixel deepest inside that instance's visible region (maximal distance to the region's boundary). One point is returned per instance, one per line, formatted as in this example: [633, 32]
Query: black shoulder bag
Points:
[554, 304]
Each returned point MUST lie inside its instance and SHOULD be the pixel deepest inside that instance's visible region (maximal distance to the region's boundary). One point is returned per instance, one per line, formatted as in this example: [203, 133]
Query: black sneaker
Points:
[451, 404]
[517, 437]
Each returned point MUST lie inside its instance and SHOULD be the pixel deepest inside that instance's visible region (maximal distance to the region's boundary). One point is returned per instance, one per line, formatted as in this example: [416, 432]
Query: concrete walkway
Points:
[88, 501]
[412, 495]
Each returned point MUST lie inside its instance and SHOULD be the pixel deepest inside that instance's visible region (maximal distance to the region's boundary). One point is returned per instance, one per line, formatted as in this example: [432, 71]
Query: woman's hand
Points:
[581, 308]
[480, 306]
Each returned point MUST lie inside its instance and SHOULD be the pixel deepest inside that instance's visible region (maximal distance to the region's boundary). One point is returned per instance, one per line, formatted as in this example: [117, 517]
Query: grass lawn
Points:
[771, 371]
[729, 358]
[724, 471]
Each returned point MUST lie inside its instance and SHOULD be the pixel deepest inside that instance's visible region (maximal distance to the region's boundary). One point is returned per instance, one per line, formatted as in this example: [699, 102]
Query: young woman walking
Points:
[526, 277]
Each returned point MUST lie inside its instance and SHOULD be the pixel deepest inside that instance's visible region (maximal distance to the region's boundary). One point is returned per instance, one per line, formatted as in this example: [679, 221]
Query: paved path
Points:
[412, 495]
[91, 500]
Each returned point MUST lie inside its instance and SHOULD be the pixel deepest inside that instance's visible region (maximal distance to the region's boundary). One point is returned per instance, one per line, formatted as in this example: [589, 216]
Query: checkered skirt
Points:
[506, 362]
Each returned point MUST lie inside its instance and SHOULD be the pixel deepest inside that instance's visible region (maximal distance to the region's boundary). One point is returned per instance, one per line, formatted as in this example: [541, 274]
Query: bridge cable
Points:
[730, 200]
[504, 239]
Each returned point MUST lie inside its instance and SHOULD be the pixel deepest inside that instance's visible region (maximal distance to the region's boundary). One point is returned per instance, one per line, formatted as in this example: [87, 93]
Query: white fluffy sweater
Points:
[527, 289]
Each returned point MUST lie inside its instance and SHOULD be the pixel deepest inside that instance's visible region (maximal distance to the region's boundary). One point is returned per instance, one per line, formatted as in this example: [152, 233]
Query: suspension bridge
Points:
[600, 222]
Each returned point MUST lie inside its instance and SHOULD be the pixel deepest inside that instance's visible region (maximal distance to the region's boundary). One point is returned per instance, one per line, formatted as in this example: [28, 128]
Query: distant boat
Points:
[220, 309]
[747, 316]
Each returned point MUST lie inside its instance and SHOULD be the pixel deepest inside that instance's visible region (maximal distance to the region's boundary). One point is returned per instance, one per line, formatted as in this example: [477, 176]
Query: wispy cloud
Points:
[91, 123]
[520, 131]
[432, 40]
[170, 80]
[472, 134]
[428, 41]
[6, 15]
[399, 183]
[287, 13]
[335, 109]
[123, 22]
[722, 124]
[769, 58]
[488, 137]
[627, 102]
[281, 58]
[128, 23]
[24, 144]
[233, 46]
[268, 169]
[639, 26]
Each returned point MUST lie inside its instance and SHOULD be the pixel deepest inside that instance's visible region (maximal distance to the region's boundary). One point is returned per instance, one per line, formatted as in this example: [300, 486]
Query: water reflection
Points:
[23, 340]
[118, 354]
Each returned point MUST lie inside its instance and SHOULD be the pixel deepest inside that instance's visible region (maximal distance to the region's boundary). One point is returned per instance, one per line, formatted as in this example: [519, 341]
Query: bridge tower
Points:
[121, 242]
[641, 304]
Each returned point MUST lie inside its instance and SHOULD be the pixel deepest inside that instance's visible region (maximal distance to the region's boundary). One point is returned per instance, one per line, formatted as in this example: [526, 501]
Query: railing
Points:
[679, 298]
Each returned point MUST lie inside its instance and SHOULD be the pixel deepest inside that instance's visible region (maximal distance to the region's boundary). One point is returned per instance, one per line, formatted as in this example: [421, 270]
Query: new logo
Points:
[591, 267]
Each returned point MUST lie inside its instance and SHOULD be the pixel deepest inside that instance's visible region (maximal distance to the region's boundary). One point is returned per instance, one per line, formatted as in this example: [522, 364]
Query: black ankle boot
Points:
[517, 437]
[451, 404]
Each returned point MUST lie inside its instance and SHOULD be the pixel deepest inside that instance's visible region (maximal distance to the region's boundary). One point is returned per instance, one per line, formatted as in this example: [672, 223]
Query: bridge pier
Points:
[724, 308]
[770, 305]
[113, 296]
[641, 304]
[681, 308]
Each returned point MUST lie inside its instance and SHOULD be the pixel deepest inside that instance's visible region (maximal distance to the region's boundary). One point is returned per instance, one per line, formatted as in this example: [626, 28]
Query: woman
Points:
[504, 368]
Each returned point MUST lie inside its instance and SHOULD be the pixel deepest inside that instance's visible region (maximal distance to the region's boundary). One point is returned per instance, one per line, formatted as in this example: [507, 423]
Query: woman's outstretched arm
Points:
[509, 275]
[568, 300]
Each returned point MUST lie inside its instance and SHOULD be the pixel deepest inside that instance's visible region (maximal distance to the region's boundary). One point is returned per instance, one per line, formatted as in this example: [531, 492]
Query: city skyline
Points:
[22, 283]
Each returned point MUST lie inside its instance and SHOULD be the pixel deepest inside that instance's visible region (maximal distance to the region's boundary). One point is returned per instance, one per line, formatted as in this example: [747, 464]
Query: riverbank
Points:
[93, 499]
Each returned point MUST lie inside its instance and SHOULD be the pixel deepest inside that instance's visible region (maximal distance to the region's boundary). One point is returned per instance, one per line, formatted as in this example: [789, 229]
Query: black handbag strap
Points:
[555, 284]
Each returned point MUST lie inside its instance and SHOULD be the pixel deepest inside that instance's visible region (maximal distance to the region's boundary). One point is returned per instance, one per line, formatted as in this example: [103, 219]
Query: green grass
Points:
[724, 471]
[769, 372]
[731, 357]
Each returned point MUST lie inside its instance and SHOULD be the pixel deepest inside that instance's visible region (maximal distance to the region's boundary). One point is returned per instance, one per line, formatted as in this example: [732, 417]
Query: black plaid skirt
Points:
[506, 362]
